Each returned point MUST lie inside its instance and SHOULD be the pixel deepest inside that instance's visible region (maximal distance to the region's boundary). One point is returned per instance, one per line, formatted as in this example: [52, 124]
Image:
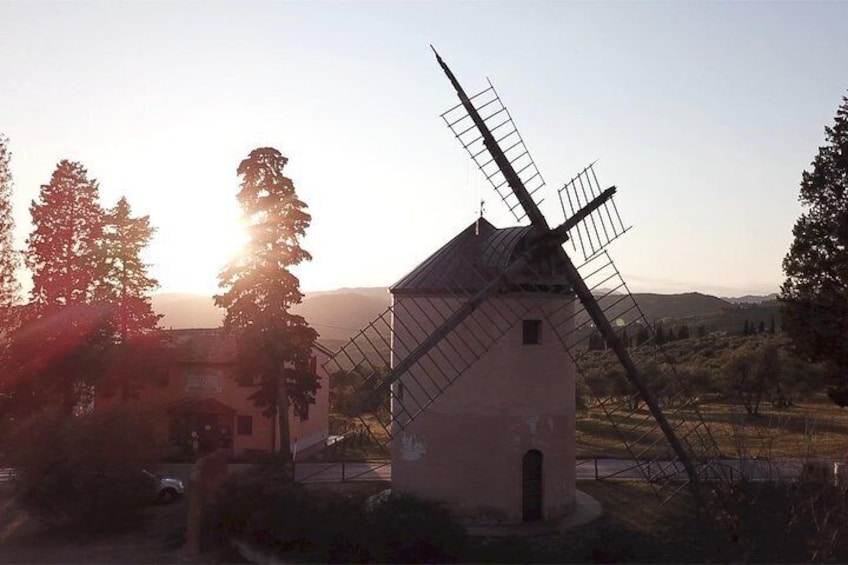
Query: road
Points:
[587, 469]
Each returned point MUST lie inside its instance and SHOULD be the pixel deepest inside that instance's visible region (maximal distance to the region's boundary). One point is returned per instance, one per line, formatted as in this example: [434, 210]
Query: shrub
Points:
[405, 529]
[794, 522]
[86, 469]
[317, 526]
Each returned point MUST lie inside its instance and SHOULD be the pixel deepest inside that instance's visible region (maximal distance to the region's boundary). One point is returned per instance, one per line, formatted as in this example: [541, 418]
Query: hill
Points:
[339, 314]
[335, 314]
[674, 306]
[183, 310]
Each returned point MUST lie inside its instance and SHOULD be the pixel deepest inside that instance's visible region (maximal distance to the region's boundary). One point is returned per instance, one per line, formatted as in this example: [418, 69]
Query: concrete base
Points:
[585, 510]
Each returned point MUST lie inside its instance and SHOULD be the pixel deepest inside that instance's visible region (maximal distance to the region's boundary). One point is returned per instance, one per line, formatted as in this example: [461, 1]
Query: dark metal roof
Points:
[472, 259]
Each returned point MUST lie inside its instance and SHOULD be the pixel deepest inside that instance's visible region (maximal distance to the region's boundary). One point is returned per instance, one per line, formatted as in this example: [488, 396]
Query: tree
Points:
[126, 286]
[62, 344]
[125, 280]
[659, 334]
[274, 345]
[642, 335]
[8, 256]
[62, 250]
[814, 295]
[745, 378]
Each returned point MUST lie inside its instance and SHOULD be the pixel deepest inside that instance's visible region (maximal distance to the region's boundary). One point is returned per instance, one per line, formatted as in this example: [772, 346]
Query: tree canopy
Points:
[125, 281]
[8, 256]
[815, 293]
[62, 250]
[274, 345]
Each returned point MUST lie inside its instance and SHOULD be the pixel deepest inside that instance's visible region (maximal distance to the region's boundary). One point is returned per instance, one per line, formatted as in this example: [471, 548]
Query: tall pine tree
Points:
[125, 282]
[125, 285]
[63, 345]
[62, 251]
[274, 345]
[8, 256]
[815, 293]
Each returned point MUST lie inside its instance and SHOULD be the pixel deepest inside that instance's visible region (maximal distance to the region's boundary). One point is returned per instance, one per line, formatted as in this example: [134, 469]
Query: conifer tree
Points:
[274, 345]
[125, 282]
[8, 256]
[814, 295]
[126, 285]
[659, 334]
[62, 251]
[62, 346]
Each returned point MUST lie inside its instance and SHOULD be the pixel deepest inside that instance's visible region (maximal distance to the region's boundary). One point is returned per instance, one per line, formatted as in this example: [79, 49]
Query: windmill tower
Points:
[484, 337]
[490, 440]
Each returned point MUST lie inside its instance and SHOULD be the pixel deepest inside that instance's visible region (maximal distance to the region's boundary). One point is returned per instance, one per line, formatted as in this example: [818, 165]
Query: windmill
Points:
[456, 316]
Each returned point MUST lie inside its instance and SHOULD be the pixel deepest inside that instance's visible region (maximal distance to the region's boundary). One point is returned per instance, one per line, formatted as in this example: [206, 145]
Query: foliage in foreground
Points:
[85, 470]
[305, 525]
[782, 522]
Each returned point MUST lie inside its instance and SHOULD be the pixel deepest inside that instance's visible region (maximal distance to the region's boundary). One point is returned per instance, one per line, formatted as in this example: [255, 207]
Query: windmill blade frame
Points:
[537, 219]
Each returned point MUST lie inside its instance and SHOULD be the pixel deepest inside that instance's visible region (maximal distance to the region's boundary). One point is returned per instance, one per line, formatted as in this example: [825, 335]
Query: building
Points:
[498, 446]
[202, 406]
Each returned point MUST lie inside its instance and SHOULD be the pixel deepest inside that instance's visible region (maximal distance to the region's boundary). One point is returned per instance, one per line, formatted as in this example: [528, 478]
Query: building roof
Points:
[475, 257]
[210, 345]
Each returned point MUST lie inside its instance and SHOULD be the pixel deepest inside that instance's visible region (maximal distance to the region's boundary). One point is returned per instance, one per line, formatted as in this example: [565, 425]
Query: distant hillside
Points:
[184, 310]
[339, 314]
[660, 306]
[336, 315]
[751, 298]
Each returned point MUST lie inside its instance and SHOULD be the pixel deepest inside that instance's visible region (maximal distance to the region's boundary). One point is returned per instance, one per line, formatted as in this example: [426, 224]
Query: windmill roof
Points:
[472, 259]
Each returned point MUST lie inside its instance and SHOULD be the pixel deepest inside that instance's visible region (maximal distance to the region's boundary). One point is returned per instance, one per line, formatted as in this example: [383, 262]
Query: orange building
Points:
[204, 407]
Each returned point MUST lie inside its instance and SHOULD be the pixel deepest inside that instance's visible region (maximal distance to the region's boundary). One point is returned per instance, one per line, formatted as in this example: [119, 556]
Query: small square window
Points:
[532, 332]
[244, 425]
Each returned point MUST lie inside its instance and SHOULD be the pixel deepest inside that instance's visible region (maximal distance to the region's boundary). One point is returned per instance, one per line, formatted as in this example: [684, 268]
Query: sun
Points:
[187, 257]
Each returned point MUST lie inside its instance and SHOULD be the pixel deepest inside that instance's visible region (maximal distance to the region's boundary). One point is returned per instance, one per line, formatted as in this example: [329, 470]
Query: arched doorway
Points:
[531, 486]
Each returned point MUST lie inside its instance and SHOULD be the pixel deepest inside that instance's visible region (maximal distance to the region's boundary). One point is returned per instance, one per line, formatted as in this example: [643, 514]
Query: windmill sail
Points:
[499, 122]
[645, 389]
[455, 326]
[602, 226]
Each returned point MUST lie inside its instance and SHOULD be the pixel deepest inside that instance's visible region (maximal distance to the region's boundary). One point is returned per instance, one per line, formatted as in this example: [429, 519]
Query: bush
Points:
[405, 529]
[306, 525]
[789, 522]
[85, 470]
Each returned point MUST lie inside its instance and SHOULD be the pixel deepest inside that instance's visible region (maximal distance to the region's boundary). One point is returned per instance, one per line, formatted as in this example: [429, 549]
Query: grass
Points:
[634, 528]
[364, 440]
[815, 428]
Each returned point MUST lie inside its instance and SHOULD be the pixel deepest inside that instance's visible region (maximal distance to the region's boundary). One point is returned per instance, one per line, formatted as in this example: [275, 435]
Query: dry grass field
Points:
[815, 428]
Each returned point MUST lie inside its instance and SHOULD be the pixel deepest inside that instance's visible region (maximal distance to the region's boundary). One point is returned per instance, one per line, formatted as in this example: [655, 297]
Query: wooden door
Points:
[531, 486]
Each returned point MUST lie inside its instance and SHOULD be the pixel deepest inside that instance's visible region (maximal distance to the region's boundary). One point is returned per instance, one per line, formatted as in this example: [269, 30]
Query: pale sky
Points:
[703, 114]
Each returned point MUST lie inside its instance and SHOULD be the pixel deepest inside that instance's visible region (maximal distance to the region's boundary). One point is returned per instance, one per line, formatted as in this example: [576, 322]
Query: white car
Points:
[168, 489]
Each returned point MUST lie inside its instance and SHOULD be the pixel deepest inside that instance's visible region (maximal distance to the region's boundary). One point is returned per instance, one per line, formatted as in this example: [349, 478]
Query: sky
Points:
[704, 115]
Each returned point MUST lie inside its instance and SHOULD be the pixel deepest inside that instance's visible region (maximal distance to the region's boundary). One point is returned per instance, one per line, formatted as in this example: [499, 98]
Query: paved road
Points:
[587, 469]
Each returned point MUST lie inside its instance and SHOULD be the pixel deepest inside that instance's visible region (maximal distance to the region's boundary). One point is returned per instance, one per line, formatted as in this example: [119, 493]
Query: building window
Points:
[532, 332]
[244, 425]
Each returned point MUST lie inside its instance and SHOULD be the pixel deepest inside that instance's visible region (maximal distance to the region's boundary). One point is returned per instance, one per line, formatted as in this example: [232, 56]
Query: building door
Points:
[531, 486]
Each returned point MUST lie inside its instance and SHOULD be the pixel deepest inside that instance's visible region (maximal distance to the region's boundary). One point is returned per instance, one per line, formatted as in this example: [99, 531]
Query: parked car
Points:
[167, 489]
